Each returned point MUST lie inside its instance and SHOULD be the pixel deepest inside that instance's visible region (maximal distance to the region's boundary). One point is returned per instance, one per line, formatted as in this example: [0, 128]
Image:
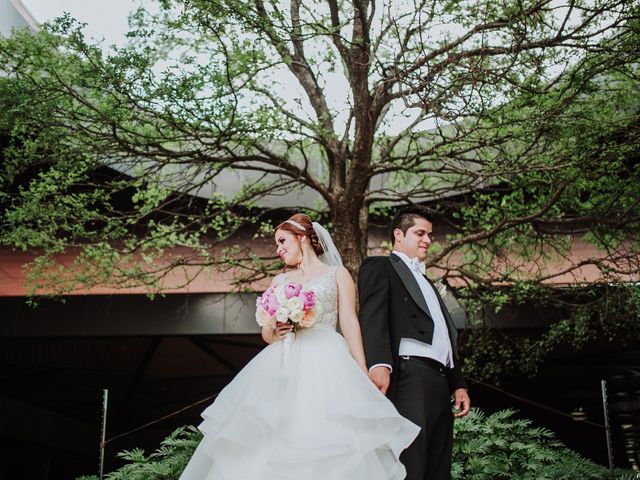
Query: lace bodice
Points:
[325, 288]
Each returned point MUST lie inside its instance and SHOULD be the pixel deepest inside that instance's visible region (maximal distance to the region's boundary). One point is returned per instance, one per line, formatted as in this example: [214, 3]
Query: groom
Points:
[410, 345]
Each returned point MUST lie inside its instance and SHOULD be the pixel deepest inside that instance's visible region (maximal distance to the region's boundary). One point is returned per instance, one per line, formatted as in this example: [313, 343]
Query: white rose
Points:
[294, 304]
[282, 314]
[280, 295]
[296, 316]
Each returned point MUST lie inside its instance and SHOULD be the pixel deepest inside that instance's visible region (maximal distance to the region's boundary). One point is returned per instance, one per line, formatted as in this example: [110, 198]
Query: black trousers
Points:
[420, 392]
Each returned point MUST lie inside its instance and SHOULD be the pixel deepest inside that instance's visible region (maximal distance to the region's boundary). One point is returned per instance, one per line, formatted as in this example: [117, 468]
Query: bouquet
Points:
[287, 303]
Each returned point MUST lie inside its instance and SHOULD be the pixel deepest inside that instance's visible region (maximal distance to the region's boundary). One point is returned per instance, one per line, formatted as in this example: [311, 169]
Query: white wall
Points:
[13, 14]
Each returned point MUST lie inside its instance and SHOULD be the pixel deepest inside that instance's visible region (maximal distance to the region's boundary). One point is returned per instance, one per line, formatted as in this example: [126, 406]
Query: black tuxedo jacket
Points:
[392, 307]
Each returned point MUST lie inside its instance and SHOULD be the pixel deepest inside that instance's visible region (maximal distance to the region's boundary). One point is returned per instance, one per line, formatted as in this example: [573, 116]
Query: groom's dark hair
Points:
[405, 218]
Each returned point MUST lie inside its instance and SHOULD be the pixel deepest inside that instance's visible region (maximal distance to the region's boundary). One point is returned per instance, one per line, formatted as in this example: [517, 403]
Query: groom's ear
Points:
[397, 235]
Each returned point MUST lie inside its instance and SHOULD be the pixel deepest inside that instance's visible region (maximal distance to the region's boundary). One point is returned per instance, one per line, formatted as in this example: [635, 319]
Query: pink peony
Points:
[270, 304]
[262, 300]
[309, 299]
[292, 290]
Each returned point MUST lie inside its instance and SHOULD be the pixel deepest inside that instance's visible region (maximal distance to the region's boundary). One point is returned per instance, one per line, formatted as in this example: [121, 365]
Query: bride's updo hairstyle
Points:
[301, 224]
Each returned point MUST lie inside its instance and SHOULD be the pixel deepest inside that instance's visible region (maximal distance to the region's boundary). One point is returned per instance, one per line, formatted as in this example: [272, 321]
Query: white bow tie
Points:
[417, 266]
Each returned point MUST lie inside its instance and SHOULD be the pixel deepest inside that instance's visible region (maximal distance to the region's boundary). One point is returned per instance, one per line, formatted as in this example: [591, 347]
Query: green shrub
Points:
[502, 447]
[494, 447]
[166, 463]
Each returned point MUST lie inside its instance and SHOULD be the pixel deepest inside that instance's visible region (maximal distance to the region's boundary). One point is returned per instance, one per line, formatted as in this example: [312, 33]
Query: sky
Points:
[105, 19]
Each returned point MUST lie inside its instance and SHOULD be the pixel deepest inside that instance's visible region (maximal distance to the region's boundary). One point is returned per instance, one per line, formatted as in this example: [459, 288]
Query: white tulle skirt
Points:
[316, 417]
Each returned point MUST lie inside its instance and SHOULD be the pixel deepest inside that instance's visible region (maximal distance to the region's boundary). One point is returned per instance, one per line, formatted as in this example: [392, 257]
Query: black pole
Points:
[607, 426]
[105, 400]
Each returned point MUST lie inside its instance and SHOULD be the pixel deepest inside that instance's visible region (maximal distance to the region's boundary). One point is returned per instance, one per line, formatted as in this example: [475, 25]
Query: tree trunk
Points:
[349, 232]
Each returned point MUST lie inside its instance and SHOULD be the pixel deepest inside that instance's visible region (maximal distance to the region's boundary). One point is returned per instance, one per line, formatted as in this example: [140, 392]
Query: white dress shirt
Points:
[440, 348]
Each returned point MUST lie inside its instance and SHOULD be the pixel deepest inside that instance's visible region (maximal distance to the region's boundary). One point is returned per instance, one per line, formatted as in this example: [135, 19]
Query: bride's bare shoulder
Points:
[343, 275]
[341, 270]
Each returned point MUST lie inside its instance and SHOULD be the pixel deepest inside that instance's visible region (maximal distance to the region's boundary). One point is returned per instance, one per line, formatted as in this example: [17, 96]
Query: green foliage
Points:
[501, 446]
[598, 312]
[166, 463]
[64, 106]
[498, 446]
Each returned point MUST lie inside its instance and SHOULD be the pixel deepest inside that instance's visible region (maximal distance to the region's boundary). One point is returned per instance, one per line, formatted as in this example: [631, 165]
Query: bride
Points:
[313, 413]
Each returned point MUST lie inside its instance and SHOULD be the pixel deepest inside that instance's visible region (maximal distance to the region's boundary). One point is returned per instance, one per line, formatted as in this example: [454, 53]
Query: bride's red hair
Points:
[307, 230]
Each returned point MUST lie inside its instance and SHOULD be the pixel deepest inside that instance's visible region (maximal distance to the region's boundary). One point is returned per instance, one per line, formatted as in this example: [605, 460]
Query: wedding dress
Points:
[316, 416]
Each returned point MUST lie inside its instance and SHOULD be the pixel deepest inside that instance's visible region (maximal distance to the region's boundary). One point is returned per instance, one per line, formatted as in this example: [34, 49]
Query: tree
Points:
[516, 122]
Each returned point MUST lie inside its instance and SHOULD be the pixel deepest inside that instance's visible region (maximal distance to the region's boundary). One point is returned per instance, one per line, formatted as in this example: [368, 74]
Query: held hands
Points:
[281, 330]
[381, 377]
[461, 402]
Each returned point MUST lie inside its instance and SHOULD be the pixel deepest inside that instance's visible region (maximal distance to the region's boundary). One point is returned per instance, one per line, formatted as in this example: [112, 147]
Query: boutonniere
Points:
[441, 287]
